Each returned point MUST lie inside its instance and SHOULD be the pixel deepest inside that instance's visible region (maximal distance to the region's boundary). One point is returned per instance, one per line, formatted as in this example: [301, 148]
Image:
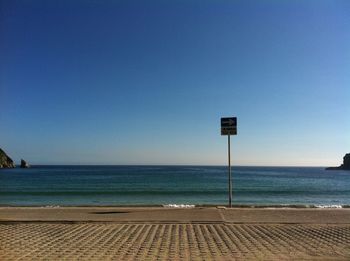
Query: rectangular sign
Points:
[229, 126]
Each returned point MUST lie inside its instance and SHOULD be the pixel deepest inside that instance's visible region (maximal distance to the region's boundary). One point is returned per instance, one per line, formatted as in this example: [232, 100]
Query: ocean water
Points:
[162, 185]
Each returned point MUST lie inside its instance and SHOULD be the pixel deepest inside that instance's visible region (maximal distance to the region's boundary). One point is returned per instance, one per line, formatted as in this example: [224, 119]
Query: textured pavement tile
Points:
[113, 241]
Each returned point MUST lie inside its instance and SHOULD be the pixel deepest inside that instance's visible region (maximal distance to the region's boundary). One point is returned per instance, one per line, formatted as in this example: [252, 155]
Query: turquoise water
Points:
[159, 185]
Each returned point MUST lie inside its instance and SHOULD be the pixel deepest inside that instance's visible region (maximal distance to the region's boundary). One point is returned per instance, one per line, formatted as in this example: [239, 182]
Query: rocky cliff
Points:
[344, 166]
[346, 161]
[24, 164]
[5, 161]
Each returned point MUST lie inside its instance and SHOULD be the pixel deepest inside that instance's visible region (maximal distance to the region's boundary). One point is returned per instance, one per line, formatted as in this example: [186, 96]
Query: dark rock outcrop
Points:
[24, 164]
[5, 161]
[346, 161]
[344, 166]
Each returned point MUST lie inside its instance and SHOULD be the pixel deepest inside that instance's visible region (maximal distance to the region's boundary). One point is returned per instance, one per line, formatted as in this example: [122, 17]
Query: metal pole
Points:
[229, 173]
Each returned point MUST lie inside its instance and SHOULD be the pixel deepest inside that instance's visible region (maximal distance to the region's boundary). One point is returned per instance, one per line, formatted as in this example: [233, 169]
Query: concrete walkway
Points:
[174, 234]
[171, 215]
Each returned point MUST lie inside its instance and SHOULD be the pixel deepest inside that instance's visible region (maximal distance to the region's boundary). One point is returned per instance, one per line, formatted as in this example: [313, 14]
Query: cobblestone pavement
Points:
[116, 241]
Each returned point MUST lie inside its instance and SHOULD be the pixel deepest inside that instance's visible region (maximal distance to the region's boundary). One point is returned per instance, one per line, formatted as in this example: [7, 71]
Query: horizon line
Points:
[180, 165]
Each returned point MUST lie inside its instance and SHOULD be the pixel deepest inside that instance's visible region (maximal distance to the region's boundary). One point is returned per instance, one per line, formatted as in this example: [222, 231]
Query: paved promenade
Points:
[173, 234]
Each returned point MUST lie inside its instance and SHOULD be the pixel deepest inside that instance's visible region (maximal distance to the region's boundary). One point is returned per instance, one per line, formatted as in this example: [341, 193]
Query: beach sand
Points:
[152, 233]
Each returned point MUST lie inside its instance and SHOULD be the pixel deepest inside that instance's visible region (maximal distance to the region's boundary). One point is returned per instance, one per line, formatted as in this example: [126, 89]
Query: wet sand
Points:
[102, 233]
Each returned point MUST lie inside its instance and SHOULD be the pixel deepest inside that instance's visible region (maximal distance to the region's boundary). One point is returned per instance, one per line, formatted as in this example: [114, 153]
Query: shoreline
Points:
[186, 206]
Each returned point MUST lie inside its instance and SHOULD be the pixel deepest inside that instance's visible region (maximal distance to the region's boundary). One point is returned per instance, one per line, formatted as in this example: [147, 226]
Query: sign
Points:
[229, 126]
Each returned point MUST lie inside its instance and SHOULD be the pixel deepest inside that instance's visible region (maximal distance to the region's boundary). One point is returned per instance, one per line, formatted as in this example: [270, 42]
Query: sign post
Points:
[228, 128]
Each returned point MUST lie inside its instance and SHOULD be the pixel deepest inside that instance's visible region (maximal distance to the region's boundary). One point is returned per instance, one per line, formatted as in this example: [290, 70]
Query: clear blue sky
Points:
[146, 82]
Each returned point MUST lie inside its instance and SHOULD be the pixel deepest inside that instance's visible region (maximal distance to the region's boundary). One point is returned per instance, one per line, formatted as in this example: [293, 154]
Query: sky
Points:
[146, 82]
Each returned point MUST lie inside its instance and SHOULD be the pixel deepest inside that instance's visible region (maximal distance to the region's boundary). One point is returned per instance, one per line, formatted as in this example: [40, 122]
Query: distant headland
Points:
[344, 166]
[6, 162]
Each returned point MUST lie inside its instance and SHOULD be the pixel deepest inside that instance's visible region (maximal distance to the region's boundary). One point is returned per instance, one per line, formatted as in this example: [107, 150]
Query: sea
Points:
[55, 186]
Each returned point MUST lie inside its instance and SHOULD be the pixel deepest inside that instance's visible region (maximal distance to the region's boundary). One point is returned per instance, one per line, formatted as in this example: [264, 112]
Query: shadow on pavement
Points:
[109, 212]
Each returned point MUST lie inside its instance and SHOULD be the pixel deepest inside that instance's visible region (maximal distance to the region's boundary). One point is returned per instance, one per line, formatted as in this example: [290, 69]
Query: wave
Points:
[178, 206]
[328, 206]
[185, 205]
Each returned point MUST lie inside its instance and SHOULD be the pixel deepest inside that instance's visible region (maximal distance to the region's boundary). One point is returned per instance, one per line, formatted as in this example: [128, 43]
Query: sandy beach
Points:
[153, 233]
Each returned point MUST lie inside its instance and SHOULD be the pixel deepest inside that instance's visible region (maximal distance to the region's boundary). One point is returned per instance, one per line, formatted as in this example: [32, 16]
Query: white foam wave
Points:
[329, 206]
[178, 206]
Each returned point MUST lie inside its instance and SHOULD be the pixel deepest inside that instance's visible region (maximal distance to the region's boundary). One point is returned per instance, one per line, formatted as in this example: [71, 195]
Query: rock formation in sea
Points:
[5, 161]
[24, 164]
[344, 166]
